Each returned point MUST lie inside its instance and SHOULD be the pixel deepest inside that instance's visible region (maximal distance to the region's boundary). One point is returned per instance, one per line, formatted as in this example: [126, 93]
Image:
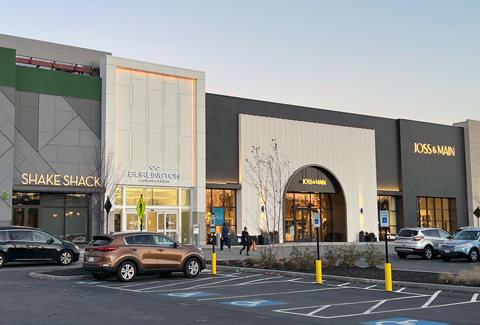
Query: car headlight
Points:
[461, 245]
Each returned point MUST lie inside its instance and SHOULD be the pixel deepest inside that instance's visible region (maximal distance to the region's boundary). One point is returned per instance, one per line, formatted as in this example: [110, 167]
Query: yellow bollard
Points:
[388, 277]
[214, 263]
[318, 265]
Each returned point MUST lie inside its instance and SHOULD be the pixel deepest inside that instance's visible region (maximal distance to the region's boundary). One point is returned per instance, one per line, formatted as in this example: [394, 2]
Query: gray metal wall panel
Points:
[432, 175]
[222, 135]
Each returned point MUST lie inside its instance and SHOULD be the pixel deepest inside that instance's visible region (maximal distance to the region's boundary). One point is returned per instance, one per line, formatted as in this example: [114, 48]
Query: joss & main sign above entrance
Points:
[60, 180]
[154, 176]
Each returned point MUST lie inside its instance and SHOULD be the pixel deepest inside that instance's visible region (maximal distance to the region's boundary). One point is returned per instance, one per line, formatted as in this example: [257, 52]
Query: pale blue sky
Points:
[413, 59]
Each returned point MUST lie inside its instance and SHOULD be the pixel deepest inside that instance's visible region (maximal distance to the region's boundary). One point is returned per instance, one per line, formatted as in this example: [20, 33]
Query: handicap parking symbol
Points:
[253, 303]
[189, 294]
[402, 321]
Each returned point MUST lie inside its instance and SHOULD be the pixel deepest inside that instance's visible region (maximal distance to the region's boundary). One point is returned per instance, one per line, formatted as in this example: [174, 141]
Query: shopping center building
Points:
[81, 127]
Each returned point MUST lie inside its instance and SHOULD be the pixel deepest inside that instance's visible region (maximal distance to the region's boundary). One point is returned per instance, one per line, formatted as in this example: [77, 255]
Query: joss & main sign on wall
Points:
[431, 149]
[60, 180]
[154, 176]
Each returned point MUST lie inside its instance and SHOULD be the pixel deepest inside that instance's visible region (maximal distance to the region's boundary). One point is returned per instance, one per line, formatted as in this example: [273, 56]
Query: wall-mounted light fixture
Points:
[361, 210]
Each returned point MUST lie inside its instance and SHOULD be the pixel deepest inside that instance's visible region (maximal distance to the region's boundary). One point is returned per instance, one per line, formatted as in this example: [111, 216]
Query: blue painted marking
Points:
[402, 321]
[253, 303]
[189, 294]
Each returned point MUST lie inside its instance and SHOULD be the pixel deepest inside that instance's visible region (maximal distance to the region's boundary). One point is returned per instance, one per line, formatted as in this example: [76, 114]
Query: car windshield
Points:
[467, 235]
[407, 233]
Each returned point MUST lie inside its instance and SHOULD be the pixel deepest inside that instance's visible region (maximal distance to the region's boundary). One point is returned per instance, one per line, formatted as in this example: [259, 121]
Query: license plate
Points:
[447, 251]
[90, 259]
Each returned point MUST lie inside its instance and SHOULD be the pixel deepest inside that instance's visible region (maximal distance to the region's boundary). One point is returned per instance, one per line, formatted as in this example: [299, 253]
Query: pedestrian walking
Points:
[225, 239]
[246, 241]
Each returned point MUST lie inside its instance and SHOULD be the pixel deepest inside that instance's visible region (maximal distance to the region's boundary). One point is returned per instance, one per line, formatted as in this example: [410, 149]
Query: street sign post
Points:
[385, 224]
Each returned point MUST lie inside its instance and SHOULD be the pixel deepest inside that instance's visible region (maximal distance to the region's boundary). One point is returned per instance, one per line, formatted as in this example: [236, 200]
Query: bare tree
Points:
[268, 173]
[102, 164]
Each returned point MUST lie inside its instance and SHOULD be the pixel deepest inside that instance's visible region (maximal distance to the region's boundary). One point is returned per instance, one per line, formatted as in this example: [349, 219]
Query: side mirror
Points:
[49, 241]
[177, 245]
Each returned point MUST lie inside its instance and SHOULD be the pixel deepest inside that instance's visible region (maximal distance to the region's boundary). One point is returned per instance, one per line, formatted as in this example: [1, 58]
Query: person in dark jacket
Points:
[225, 239]
[245, 241]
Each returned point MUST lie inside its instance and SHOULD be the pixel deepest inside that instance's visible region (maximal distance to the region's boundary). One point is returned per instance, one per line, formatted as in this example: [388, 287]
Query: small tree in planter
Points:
[361, 236]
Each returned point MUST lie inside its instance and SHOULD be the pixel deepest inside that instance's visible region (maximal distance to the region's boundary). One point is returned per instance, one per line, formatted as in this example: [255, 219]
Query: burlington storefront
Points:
[153, 142]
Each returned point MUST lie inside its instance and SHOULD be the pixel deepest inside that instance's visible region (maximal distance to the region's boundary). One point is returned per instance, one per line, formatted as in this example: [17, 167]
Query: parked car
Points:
[465, 243]
[25, 244]
[127, 254]
[420, 241]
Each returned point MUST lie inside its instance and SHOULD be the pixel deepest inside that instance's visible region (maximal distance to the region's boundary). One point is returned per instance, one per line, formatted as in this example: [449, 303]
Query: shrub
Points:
[350, 256]
[302, 260]
[469, 277]
[373, 256]
[446, 278]
[331, 255]
[267, 257]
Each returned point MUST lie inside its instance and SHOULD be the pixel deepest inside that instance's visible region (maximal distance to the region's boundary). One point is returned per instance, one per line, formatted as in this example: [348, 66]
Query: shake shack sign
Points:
[154, 175]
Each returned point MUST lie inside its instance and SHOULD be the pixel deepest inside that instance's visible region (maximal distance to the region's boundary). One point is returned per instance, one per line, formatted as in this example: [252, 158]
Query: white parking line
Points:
[370, 287]
[474, 298]
[432, 298]
[400, 290]
[375, 307]
[318, 310]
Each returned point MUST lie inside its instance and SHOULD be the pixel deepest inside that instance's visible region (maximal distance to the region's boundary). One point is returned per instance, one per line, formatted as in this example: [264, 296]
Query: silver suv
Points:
[420, 241]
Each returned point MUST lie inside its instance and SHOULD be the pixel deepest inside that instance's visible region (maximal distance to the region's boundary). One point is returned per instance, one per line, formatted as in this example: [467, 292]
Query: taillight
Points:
[418, 238]
[107, 249]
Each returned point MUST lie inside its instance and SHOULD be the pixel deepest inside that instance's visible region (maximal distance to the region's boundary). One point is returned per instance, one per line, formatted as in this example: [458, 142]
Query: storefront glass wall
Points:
[63, 215]
[220, 198]
[388, 203]
[437, 212]
[167, 211]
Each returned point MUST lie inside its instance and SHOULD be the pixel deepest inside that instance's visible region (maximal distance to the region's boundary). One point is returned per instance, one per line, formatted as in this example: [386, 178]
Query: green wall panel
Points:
[58, 83]
[7, 67]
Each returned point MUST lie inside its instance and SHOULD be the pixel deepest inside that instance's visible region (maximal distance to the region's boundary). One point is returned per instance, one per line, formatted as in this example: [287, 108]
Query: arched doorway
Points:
[312, 190]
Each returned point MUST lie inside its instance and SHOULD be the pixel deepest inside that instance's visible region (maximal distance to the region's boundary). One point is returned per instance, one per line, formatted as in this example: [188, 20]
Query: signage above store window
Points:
[155, 176]
[430, 149]
[60, 180]
[308, 181]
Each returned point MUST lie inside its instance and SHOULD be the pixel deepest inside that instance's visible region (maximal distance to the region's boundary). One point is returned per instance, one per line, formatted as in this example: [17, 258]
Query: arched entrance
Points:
[312, 190]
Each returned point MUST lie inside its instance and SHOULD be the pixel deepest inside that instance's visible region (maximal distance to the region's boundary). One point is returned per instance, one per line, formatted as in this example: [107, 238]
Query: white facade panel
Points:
[348, 153]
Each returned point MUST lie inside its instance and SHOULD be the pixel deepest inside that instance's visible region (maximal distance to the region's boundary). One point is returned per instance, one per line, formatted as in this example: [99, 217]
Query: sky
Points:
[409, 59]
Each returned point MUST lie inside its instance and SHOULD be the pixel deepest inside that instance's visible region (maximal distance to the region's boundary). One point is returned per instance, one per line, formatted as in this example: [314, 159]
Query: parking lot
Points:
[259, 299]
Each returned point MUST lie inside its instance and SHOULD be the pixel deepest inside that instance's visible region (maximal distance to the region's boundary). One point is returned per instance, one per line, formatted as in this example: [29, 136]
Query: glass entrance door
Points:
[167, 223]
[303, 225]
[25, 216]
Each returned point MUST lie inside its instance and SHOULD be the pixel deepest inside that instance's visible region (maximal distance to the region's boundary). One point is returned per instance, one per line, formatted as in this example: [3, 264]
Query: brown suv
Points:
[127, 254]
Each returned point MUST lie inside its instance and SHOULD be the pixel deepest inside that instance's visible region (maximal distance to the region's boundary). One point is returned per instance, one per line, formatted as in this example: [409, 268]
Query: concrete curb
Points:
[352, 280]
[41, 276]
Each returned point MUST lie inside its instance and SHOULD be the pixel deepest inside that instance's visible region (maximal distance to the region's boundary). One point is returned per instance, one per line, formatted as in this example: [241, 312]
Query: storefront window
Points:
[165, 197]
[219, 198]
[118, 196]
[133, 194]
[437, 212]
[388, 203]
[185, 198]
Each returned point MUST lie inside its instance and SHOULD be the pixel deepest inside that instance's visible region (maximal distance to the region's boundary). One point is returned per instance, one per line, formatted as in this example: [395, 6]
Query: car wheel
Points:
[191, 268]
[2, 260]
[65, 258]
[126, 271]
[402, 255]
[446, 258]
[427, 253]
[100, 276]
[473, 256]
[164, 274]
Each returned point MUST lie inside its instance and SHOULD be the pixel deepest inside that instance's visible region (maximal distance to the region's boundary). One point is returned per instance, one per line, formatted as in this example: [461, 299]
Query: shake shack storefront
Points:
[312, 190]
